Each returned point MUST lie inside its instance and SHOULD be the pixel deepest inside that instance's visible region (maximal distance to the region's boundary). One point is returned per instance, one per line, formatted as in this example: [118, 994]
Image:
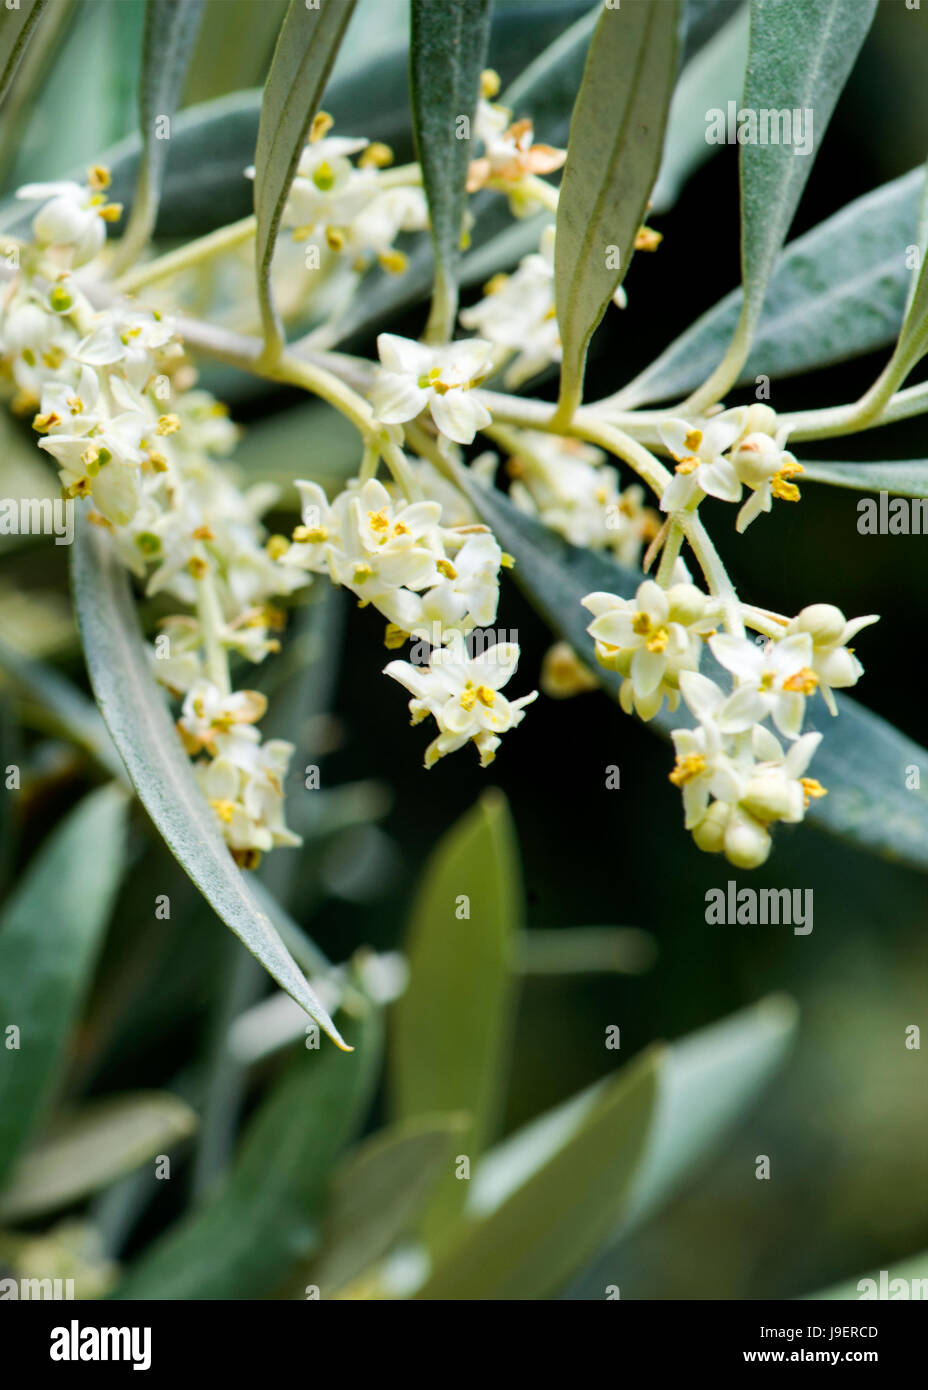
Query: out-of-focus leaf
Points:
[101, 38]
[862, 760]
[712, 78]
[70, 711]
[613, 155]
[838, 291]
[379, 1191]
[264, 1217]
[234, 46]
[561, 1210]
[879, 1283]
[448, 1030]
[170, 32]
[101, 1142]
[49, 935]
[16, 29]
[554, 1193]
[905, 478]
[800, 54]
[30, 76]
[305, 52]
[447, 51]
[136, 715]
[587, 950]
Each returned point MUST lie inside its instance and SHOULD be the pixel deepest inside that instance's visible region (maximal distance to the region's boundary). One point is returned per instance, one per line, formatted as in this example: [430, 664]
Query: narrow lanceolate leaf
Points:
[837, 292]
[800, 55]
[264, 1218]
[50, 932]
[712, 78]
[306, 49]
[448, 46]
[103, 1141]
[16, 28]
[137, 717]
[613, 156]
[449, 1028]
[862, 759]
[550, 1196]
[907, 478]
[913, 339]
[171, 28]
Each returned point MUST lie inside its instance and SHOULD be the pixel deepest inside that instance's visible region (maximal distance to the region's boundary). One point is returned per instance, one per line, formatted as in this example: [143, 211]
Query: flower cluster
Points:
[110, 394]
[568, 485]
[735, 777]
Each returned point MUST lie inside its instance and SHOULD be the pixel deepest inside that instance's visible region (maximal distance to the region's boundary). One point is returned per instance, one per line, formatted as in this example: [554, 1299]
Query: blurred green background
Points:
[846, 1124]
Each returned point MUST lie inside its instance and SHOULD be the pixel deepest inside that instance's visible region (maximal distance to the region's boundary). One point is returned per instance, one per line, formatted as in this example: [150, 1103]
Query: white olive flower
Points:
[105, 462]
[74, 216]
[320, 529]
[129, 339]
[569, 486]
[244, 786]
[763, 465]
[699, 450]
[468, 594]
[833, 662]
[518, 313]
[463, 695]
[773, 679]
[207, 712]
[734, 788]
[650, 639]
[510, 154]
[413, 376]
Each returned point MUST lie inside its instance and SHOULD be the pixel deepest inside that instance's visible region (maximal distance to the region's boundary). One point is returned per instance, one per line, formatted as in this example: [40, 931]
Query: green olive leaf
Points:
[613, 157]
[306, 49]
[136, 715]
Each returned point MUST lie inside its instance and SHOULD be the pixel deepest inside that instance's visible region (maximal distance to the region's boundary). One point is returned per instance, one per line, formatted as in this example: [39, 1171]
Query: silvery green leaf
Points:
[837, 292]
[800, 54]
[448, 45]
[17, 25]
[136, 715]
[711, 78]
[171, 28]
[906, 478]
[306, 49]
[613, 156]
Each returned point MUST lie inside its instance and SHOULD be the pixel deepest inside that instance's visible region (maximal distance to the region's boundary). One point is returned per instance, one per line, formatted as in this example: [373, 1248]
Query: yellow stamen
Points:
[687, 768]
[803, 682]
[322, 124]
